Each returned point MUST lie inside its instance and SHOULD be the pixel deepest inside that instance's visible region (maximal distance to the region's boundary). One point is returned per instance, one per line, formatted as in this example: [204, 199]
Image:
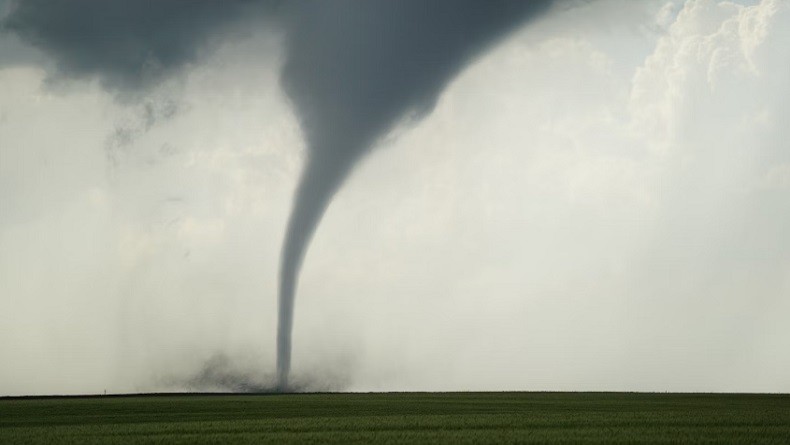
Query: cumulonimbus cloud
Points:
[353, 69]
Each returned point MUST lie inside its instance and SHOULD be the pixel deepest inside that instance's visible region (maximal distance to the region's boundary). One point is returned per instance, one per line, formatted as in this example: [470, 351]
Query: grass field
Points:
[399, 418]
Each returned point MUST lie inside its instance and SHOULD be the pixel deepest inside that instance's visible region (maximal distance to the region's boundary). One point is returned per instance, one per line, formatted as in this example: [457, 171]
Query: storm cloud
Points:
[561, 185]
[128, 45]
[353, 70]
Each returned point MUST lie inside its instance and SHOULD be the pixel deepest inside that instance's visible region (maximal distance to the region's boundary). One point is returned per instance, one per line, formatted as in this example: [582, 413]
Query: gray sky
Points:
[599, 202]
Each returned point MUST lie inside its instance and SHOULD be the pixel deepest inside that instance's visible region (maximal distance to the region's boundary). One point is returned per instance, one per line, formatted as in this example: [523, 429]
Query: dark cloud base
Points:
[128, 45]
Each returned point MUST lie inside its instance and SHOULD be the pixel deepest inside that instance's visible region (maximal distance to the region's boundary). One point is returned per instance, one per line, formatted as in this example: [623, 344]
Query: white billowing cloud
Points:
[711, 98]
[589, 207]
[713, 52]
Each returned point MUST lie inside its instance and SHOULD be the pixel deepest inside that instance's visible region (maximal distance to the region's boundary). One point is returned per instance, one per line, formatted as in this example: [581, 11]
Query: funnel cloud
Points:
[353, 70]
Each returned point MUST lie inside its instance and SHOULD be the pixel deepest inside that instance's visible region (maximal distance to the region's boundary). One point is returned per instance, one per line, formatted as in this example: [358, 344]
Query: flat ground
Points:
[455, 418]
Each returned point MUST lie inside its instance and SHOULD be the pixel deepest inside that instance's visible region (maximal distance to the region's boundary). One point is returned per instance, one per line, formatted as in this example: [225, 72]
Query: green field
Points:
[399, 418]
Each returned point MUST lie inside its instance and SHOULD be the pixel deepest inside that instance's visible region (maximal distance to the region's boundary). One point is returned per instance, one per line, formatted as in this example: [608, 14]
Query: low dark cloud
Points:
[128, 45]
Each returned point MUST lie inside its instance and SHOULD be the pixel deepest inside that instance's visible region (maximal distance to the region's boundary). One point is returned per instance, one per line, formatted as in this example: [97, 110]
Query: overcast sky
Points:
[599, 201]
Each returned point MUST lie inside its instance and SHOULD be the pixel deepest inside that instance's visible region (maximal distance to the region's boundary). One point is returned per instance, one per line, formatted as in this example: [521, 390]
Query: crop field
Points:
[343, 418]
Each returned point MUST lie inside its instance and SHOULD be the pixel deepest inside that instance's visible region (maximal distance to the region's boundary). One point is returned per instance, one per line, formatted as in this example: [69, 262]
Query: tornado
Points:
[353, 70]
